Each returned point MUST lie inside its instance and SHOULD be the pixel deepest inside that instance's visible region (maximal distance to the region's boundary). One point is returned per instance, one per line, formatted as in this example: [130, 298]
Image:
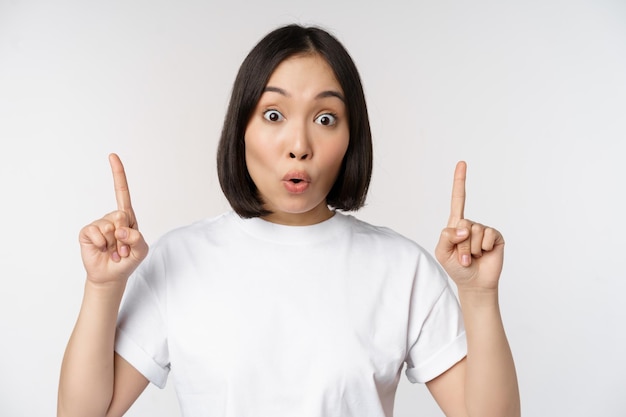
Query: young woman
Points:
[286, 306]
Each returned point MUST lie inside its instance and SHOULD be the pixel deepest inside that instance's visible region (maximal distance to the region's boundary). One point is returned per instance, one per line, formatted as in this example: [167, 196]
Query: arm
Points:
[94, 381]
[485, 382]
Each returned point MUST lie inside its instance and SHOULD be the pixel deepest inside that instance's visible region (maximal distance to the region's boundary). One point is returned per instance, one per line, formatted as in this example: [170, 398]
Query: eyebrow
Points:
[323, 94]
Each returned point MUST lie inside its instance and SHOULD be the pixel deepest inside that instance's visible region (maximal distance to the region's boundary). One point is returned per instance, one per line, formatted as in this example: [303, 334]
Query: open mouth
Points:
[295, 177]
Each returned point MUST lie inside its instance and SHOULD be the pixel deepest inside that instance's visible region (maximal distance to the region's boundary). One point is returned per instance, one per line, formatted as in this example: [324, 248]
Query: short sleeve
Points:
[141, 336]
[437, 334]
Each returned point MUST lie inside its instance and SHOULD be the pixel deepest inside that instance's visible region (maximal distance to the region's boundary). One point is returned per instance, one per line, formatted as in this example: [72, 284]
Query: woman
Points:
[286, 306]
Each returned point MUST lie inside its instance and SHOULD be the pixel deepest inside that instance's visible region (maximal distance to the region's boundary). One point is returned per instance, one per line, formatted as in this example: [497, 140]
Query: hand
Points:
[471, 253]
[112, 247]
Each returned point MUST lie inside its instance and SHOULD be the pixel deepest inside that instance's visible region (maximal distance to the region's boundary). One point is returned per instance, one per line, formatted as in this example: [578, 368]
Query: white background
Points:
[531, 93]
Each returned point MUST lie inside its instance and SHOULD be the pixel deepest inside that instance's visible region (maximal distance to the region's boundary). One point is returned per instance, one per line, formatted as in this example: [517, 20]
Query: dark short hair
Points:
[350, 188]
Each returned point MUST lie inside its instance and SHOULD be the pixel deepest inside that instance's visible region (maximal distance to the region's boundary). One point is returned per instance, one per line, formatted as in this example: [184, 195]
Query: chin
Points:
[298, 210]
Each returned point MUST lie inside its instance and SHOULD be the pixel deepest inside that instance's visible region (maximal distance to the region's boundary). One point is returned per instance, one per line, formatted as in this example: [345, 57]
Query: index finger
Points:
[457, 206]
[122, 194]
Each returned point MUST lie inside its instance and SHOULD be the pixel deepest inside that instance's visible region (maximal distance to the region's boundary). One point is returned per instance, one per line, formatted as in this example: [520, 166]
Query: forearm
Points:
[87, 372]
[491, 383]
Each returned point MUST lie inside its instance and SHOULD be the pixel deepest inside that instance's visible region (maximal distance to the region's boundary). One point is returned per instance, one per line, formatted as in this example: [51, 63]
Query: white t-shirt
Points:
[259, 319]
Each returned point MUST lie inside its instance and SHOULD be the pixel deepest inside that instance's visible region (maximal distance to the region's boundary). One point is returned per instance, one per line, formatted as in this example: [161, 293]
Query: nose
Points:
[300, 145]
[298, 156]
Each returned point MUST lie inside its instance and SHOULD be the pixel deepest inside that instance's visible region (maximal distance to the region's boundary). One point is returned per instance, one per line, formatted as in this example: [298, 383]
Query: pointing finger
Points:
[122, 194]
[457, 206]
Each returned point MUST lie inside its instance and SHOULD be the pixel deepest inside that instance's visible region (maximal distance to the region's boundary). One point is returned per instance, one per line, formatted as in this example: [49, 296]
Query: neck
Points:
[317, 215]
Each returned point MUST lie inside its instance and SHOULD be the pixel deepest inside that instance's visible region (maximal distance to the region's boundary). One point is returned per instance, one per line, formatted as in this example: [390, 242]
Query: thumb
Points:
[451, 239]
[134, 242]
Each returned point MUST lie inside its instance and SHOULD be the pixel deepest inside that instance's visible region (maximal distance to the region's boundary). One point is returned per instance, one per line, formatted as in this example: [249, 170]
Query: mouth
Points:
[296, 182]
[297, 177]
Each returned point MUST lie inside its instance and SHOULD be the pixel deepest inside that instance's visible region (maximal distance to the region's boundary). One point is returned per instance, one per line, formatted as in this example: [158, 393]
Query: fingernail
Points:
[461, 232]
[121, 233]
[115, 256]
[124, 251]
[465, 259]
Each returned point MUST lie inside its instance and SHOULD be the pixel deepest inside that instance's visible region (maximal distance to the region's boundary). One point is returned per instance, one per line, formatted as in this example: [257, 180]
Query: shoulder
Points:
[364, 229]
[186, 241]
[380, 245]
[186, 244]
[201, 229]
[383, 238]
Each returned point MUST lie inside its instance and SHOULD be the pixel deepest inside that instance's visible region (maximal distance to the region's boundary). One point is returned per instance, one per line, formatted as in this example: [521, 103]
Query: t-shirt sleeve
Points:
[436, 331]
[141, 337]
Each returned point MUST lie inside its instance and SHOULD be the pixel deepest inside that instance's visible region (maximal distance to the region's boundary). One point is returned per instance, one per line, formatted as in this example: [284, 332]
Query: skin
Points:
[97, 382]
[298, 129]
[94, 380]
[485, 382]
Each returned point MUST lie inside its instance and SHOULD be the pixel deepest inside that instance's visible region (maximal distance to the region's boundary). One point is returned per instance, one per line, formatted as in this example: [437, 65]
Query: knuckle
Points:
[89, 229]
[465, 223]
[120, 216]
[89, 233]
[105, 227]
[102, 226]
[492, 232]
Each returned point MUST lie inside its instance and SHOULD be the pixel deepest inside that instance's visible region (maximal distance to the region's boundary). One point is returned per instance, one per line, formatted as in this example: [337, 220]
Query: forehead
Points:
[304, 71]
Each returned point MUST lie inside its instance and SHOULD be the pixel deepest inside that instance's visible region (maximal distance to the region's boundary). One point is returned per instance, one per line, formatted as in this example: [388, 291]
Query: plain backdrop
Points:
[532, 94]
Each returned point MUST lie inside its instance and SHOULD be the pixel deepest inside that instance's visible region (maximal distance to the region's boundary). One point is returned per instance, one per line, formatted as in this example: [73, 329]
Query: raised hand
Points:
[471, 253]
[112, 247]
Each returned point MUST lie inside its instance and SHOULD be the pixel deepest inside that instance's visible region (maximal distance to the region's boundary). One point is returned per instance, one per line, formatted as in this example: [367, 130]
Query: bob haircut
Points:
[350, 188]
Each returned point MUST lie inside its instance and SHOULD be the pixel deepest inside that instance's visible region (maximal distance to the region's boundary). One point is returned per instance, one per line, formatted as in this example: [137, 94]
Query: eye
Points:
[326, 119]
[273, 115]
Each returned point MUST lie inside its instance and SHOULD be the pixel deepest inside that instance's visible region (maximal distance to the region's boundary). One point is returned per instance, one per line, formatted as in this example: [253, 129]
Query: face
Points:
[296, 140]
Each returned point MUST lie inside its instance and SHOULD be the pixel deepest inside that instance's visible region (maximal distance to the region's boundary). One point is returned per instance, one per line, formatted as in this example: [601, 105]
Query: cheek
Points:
[259, 142]
[258, 156]
[253, 148]
[338, 150]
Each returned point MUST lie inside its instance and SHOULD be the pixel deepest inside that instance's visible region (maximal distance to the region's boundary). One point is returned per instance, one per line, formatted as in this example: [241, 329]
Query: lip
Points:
[296, 182]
